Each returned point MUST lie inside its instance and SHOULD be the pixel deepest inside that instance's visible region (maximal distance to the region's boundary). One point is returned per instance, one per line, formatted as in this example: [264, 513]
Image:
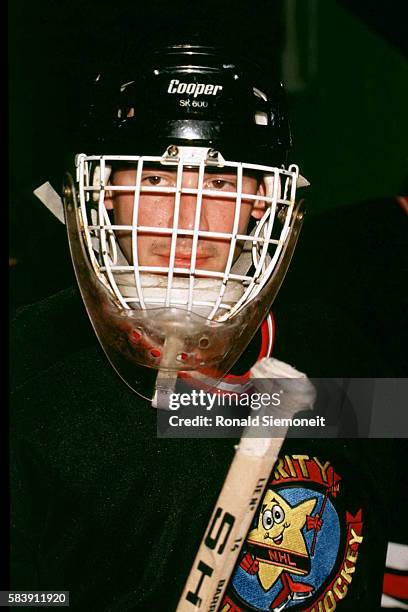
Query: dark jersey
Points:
[104, 509]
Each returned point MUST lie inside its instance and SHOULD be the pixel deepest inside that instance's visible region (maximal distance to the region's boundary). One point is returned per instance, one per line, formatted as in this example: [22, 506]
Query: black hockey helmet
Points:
[193, 96]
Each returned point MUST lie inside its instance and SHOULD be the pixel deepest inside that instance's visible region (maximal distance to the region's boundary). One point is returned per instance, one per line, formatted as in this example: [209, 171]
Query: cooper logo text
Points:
[194, 89]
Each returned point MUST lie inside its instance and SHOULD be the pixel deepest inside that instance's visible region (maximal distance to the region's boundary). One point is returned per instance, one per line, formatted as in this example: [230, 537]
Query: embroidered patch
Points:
[302, 549]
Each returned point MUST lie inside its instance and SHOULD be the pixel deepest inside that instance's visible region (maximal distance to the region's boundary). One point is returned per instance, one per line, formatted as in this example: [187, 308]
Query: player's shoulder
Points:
[62, 382]
[47, 331]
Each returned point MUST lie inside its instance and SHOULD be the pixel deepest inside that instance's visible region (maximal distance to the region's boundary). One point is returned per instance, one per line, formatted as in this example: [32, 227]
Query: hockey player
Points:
[182, 219]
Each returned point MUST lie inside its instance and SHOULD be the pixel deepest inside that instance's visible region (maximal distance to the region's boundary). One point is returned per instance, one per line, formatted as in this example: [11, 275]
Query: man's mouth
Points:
[182, 260]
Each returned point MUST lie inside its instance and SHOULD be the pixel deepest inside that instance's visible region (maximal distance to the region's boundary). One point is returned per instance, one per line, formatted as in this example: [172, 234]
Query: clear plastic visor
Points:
[179, 257]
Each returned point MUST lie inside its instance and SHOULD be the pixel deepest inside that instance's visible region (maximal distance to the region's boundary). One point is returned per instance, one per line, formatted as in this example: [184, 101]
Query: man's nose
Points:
[188, 211]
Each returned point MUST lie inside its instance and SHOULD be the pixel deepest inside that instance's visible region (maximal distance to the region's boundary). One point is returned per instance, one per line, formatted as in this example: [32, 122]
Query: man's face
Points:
[158, 209]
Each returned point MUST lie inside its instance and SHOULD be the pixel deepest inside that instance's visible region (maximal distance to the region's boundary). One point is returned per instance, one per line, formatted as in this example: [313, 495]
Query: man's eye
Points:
[221, 185]
[153, 180]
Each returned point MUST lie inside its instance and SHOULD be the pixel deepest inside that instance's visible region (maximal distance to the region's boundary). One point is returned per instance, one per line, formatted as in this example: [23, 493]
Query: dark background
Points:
[346, 75]
[343, 63]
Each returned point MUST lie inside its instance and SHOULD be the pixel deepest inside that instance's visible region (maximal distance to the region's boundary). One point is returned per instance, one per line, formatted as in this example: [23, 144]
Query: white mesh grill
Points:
[122, 261]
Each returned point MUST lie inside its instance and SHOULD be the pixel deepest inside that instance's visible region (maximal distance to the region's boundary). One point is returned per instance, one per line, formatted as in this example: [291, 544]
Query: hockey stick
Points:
[241, 493]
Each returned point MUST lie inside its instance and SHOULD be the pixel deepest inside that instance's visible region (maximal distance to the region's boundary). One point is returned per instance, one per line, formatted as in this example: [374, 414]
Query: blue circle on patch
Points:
[249, 588]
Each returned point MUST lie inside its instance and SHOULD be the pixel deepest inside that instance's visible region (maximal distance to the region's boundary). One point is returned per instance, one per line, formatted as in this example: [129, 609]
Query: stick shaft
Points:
[242, 491]
[228, 527]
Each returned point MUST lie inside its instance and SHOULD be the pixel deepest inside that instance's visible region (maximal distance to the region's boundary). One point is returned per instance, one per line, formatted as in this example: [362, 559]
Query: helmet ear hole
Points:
[261, 118]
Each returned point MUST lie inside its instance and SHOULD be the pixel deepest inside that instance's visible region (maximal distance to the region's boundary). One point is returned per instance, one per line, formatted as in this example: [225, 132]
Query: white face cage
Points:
[153, 280]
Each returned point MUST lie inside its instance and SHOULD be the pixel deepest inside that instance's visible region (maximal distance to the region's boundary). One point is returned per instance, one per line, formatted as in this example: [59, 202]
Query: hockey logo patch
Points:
[301, 552]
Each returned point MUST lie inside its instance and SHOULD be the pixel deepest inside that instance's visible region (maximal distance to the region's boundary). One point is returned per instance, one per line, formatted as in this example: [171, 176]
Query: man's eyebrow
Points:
[159, 169]
[233, 173]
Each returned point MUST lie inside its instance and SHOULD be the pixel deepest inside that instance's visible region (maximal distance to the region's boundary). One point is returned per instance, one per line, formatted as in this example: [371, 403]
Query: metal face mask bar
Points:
[209, 283]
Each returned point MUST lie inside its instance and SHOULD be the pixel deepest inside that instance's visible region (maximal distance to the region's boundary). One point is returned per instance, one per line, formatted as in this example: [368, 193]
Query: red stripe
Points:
[262, 353]
[265, 337]
[396, 586]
